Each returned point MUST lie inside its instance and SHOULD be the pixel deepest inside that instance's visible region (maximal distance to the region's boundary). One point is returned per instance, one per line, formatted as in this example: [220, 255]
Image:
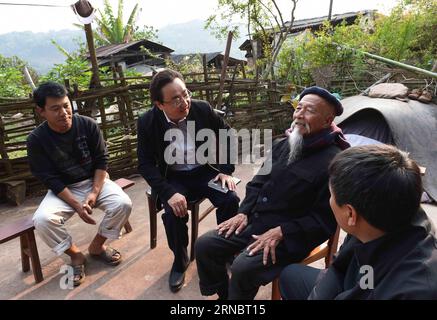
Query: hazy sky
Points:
[157, 13]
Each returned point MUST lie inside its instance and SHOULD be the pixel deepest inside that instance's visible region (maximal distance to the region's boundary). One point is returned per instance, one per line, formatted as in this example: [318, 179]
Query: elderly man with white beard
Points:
[285, 213]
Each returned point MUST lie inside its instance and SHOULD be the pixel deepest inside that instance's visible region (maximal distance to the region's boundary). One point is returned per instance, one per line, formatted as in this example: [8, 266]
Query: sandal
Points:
[415, 94]
[425, 97]
[78, 274]
[108, 256]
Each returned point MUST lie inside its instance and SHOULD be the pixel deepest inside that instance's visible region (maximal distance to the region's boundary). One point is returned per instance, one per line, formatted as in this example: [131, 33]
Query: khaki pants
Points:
[51, 215]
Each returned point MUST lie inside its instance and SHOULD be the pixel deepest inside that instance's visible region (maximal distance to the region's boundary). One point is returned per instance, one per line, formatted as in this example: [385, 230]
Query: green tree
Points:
[266, 22]
[12, 81]
[409, 33]
[76, 67]
[111, 29]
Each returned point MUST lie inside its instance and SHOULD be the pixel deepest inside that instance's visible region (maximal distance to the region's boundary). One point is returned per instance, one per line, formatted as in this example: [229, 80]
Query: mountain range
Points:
[42, 55]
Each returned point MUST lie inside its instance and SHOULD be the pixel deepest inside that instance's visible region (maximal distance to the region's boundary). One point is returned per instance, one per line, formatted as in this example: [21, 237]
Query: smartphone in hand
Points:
[217, 185]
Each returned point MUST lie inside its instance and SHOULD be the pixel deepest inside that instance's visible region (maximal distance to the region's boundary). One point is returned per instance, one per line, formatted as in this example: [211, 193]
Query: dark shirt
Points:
[294, 196]
[403, 264]
[60, 159]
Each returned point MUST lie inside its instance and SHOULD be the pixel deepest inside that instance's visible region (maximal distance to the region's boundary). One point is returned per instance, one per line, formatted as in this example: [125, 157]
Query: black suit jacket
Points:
[152, 126]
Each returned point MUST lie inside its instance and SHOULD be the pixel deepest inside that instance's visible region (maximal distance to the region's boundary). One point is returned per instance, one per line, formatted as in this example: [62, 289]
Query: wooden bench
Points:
[24, 229]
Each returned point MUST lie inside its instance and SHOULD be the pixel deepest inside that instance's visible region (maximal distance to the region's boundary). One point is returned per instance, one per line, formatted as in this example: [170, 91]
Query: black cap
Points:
[325, 94]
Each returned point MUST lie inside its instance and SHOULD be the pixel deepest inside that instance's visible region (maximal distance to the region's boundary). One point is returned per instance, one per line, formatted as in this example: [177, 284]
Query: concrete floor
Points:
[142, 275]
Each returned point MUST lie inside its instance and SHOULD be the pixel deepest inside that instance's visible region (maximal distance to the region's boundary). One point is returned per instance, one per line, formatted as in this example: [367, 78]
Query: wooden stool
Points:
[196, 217]
[23, 228]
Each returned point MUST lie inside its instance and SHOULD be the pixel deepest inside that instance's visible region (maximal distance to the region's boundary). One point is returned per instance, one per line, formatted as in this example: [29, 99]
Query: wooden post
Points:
[127, 100]
[330, 10]
[231, 87]
[95, 80]
[103, 118]
[205, 77]
[3, 151]
[126, 114]
[223, 73]
[28, 78]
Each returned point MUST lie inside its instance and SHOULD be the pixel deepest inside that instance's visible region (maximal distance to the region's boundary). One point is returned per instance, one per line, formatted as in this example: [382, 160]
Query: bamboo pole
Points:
[390, 61]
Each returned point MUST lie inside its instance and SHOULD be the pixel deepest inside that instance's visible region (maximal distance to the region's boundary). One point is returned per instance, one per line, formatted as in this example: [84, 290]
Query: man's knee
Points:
[293, 283]
[203, 244]
[290, 274]
[122, 204]
[243, 265]
[126, 205]
[170, 219]
[46, 221]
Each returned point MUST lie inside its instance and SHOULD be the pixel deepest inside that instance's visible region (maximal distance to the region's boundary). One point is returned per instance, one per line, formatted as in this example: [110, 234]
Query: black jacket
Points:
[404, 266]
[152, 126]
[295, 197]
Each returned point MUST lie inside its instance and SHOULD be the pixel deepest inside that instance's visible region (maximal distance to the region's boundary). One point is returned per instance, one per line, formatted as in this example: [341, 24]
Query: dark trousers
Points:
[297, 281]
[248, 272]
[193, 185]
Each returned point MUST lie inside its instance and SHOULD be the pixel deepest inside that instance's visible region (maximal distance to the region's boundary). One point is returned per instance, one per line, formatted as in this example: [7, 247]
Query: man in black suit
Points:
[285, 213]
[174, 169]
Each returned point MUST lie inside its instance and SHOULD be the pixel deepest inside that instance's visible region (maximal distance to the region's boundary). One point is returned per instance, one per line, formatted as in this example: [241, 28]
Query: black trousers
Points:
[193, 185]
[213, 251]
[297, 281]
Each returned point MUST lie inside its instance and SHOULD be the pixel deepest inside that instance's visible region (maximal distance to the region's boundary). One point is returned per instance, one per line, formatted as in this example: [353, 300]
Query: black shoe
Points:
[176, 280]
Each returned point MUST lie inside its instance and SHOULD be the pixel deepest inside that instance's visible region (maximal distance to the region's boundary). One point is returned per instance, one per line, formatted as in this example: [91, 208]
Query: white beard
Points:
[295, 143]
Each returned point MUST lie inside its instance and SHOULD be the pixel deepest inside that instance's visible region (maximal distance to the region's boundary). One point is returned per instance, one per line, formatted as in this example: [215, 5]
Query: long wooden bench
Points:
[24, 229]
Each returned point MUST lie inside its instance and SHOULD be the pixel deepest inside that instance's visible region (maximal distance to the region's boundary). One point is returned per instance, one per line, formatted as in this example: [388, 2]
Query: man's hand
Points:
[90, 200]
[179, 205]
[267, 242]
[236, 223]
[226, 180]
[84, 211]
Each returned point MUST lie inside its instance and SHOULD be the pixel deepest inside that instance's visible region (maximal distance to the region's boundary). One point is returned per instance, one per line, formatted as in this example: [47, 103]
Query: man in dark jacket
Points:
[285, 213]
[68, 154]
[169, 162]
[391, 249]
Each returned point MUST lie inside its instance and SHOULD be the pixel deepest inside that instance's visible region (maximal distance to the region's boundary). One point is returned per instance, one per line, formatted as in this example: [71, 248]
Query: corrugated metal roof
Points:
[303, 24]
[310, 23]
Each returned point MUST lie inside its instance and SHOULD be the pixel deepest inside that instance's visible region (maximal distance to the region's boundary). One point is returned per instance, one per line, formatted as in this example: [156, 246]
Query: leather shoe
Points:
[176, 280]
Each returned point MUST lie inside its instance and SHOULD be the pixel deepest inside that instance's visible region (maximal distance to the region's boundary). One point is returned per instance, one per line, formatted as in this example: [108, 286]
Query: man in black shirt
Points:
[390, 250]
[285, 212]
[68, 154]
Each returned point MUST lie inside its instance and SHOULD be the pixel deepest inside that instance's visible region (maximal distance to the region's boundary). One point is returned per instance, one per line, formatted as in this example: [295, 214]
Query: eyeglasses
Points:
[176, 102]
